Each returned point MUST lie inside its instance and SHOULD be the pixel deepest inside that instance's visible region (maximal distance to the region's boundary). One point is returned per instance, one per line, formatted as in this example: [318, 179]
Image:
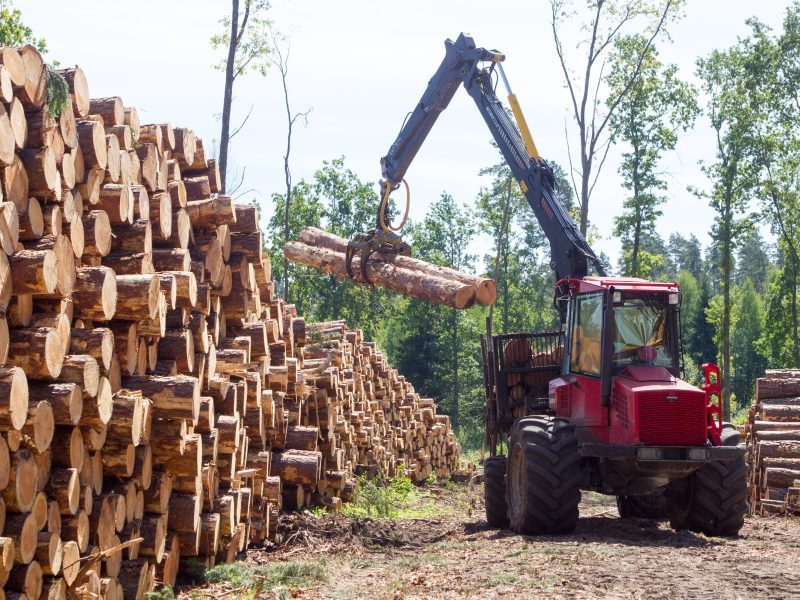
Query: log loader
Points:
[599, 403]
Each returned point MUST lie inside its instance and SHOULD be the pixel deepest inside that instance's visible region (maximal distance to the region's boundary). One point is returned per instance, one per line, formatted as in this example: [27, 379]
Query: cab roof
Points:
[632, 284]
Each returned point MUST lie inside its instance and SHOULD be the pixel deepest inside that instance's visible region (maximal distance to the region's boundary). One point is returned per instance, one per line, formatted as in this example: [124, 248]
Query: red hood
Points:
[651, 379]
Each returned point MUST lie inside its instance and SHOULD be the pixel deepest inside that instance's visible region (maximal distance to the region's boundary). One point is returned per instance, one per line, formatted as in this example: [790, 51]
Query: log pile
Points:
[160, 405]
[773, 442]
[403, 274]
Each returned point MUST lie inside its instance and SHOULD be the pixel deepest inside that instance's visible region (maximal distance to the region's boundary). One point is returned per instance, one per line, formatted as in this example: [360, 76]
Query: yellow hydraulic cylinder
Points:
[530, 146]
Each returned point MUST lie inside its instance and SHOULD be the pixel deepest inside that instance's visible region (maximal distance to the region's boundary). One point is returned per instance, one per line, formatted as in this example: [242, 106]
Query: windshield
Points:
[641, 334]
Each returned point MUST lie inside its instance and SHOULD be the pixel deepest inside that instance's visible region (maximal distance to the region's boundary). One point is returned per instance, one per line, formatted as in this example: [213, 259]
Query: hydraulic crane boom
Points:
[466, 64]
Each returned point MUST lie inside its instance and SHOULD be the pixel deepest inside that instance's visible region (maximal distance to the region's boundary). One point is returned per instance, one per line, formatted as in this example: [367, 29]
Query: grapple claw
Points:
[365, 254]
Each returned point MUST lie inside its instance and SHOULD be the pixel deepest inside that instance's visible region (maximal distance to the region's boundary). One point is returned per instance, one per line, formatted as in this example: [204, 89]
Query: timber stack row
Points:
[158, 404]
[773, 443]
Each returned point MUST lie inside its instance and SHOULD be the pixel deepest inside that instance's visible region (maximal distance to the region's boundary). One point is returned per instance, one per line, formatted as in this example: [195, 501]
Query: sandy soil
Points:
[457, 555]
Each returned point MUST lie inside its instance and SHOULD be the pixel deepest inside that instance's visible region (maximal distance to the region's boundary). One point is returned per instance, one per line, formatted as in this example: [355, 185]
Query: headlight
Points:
[698, 454]
[645, 453]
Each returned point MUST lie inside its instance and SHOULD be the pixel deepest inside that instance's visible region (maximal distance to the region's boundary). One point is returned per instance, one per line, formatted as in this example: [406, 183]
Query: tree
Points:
[748, 361]
[702, 343]
[443, 238]
[753, 262]
[608, 21]
[281, 50]
[729, 83]
[13, 32]
[246, 38]
[648, 119]
[684, 254]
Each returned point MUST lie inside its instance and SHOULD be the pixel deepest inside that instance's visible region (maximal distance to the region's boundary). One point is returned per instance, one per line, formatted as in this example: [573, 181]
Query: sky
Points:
[361, 66]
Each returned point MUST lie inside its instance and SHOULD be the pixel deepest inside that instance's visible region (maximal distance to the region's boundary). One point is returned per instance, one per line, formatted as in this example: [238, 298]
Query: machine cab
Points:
[620, 374]
[635, 321]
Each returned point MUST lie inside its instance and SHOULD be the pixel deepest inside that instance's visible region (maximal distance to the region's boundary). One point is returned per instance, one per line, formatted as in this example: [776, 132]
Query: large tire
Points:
[543, 477]
[494, 491]
[649, 506]
[714, 500]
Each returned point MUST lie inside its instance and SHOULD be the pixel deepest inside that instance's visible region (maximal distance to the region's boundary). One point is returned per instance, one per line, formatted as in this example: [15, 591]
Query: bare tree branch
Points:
[242, 124]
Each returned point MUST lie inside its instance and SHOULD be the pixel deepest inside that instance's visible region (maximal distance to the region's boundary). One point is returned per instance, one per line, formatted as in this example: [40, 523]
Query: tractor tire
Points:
[543, 477]
[649, 506]
[494, 491]
[714, 501]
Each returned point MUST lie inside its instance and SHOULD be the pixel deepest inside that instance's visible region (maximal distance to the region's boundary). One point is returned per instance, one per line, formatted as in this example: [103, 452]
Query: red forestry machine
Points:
[598, 404]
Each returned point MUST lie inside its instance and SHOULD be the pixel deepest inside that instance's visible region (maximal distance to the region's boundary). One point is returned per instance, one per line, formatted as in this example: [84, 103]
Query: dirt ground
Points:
[457, 555]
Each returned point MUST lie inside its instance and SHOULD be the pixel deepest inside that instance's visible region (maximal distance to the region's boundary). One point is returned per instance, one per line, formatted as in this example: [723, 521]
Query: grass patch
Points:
[496, 579]
[415, 561]
[162, 593]
[392, 498]
[252, 578]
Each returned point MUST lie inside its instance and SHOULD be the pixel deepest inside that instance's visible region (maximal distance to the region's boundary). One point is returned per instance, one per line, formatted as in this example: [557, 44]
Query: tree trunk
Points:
[228, 94]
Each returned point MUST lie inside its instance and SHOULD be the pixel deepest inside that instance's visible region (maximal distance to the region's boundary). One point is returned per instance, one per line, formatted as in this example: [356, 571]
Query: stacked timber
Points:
[403, 274]
[773, 442]
[160, 405]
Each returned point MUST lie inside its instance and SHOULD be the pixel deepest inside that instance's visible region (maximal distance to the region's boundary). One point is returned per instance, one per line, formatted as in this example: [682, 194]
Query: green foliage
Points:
[13, 32]
[57, 92]
[648, 118]
[161, 593]
[254, 51]
[248, 577]
[380, 497]
[748, 361]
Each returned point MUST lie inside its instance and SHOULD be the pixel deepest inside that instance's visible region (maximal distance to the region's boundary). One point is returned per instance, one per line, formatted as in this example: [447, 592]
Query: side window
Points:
[586, 325]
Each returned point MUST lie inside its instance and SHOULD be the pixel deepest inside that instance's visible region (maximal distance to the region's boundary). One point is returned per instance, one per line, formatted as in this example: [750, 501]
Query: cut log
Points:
[486, 289]
[65, 261]
[33, 93]
[13, 399]
[92, 141]
[65, 488]
[137, 297]
[40, 425]
[22, 530]
[11, 60]
[42, 172]
[31, 222]
[33, 271]
[296, 467]
[15, 183]
[78, 91]
[20, 494]
[111, 109]
[26, 579]
[176, 397]
[115, 199]
[66, 399]
[135, 238]
[37, 351]
[7, 139]
[95, 294]
[97, 233]
[410, 283]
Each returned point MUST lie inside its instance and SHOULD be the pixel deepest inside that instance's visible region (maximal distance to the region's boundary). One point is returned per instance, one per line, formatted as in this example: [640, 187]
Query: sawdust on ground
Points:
[457, 555]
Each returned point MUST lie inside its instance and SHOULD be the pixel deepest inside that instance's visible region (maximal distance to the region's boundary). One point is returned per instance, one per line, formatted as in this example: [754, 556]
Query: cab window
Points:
[586, 328]
[642, 332]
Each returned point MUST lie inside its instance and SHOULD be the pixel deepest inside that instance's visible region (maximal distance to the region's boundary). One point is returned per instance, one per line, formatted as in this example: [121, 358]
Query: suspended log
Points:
[411, 283]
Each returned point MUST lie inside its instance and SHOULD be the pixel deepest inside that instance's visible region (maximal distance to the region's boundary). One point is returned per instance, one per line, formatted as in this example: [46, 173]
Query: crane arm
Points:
[466, 64]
